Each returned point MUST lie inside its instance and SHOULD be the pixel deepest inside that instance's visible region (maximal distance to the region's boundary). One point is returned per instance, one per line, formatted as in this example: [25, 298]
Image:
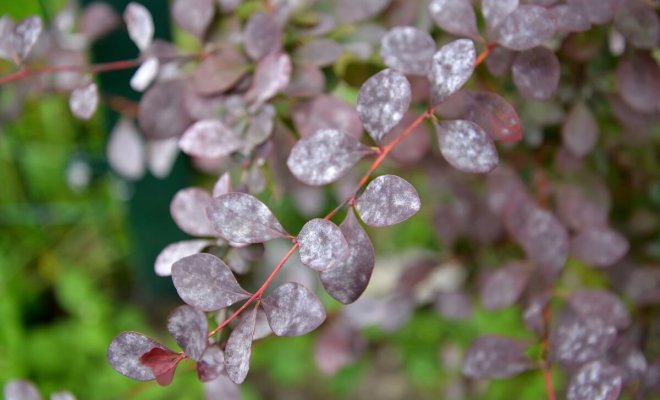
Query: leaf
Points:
[161, 156]
[326, 112]
[579, 132]
[500, 60]
[211, 365]
[125, 351]
[387, 200]
[97, 20]
[493, 357]
[145, 75]
[596, 380]
[504, 287]
[600, 246]
[455, 16]
[358, 10]
[188, 210]
[638, 80]
[319, 52]
[382, 102]
[466, 146]
[324, 156]
[452, 66]
[140, 25]
[189, 327]
[204, 281]
[347, 280]
[161, 113]
[455, 305]
[598, 11]
[306, 81]
[222, 185]
[272, 76]
[495, 116]
[496, 11]
[84, 100]
[163, 363]
[643, 286]
[219, 72]
[578, 340]
[639, 24]
[176, 251]
[322, 245]
[577, 210]
[261, 36]
[536, 73]
[629, 358]
[570, 18]
[222, 387]
[408, 50]
[210, 138]
[526, 27]
[193, 16]
[413, 147]
[126, 150]
[25, 36]
[239, 347]
[18, 389]
[292, 310]
[337, 346]
[601, 305]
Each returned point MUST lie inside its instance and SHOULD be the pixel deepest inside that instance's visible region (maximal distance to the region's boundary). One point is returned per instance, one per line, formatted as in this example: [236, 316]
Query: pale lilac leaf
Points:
[261, 126]
[326, 112]
[6, 38]
[600, 246]
[452, 66]
[26, 34]
[578, 211]
[358, 10]
[125, 351]
[222, 185]
[382, 102]
[414, 146]
[638, 79]
[347, 281]
[628, 357]
[272, 76]
[228, 6]
[222, 387]
[639, 24]
[126, 151]
[219, 72]
[262, 36]
[533, 313]
[597, 380]
[206, 282]
[598, 11]
[84, 100]
[292, 310]
[140, 25]
[319, 52]
[161, 156]
[455, 16]
[239, 348]
[18, 389]
[306, 81]
[210, 138]
[188, 210]
[536, 73]
[600, 304]
[525, 28]
[161, 113]
[408, 50]
[466, 146]
[322, 245]
[580, 130]
[176, 251]
[98, 19]
[570, 18]
[387, 200]
[145, 75]
[189, 327]
[495, 116]
[193, 16]
[262, 328]
[578, 340]
[455, 305]
[211, 365]
[643, 286]
[242, 218]
[337, 346]
[504, 287]
[496, 357]
[324, 157]
[496, 11]
[500, 60]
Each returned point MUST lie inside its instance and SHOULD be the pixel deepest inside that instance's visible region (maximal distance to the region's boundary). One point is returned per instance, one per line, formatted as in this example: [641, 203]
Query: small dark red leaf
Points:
[163, 363]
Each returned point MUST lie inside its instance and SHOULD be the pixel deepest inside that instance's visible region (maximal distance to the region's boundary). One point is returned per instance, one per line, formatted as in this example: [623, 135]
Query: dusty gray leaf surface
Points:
[125, 351]
[210, 138]
[176, 251]
[496, 357]
[189, 326]
[408, 50]
[452, 66]
[382, 101]
[597, 380]
[84, 100]
[239, 348]
[140, 25]
[188, 209]
[387, 200]
[322, 245]
[455, 16]
[466, 146]
[292, 310]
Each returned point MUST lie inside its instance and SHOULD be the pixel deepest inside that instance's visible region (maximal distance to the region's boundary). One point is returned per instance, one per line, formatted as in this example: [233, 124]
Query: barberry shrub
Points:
[529, 128]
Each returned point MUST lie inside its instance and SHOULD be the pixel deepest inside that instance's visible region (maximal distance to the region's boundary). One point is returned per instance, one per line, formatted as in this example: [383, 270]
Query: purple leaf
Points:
[570, 18]
[597, 380]
[176, 251]
[163, 363]
[600, 246]
[140, 25]
[414, 146]
[579, 132]
[496, 11]
[504, 287]
[306, 81]
[643, 286]
[638, 79]
[222, 387]
[145, 75]
[526, 27]
[387, 200]
[161, 156]
[193, 16]
[188, 209]
[219, 72]
[536, 73]
[639, 24]
[453, 305]
[625, 355]
[466, 146]
[261, 36]
[598, 11]
[577, 210]
[292, 310]
[337, 346]
[20, 390]
[189, 327]
[206, 282]
[126, 151]
[97, 20]
[533, 313]
[242, 218]
[24, 37]
[578, 340]
[500, 60]
[125, 351]
[382, 102]
[239, 347]
[452, 66]
[495, 116]
[322, 245]
[222, 185]
[408, 50]
[347, 281]
[496, 357]
[84, 100]
[324, 157]
[161, 112]
[319, 52]
[261, 126]
[601, 305]
[210, 138]
[358, 10]
[211, 365]
[455, 16]
[327, 112]
[272, 75]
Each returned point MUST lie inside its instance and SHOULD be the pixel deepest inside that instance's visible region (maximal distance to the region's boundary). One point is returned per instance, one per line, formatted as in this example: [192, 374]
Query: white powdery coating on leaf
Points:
[189, 327]
[161, 156]
[578, 340]
[504, 286]
[272, 75]
[210, 138]
[466, 146]
[600, 246]
[495, 11]
[242, 218]
[598, 11]
[326, 112]
[193, 16]
[525, 28]
[188, 210]
[125, 151]
[496, 357]
[580, 130]
[408, 50]
[124, 355]
[455, 16]
[452, 66]
[84, 100]
[322, 245]
[324, 156]
[570, 18]
[20, 390]
[382, 102]
[261, 36]
[25, 36]
[536, 73]
[239, 348]
[348, 280]
[206, 282]
[292, 310]
[387, 200]
[597, 380]
[145, 74]
[140, 25]
[602, 305]
[176, 251]
[495, 116]
[211, 365]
